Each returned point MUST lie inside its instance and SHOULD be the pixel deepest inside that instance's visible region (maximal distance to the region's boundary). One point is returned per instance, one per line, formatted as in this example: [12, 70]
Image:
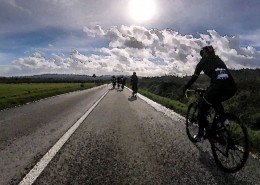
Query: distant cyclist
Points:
[123, 81]
[222, 86]
[113, 80]
[134, 82]
[118, 81]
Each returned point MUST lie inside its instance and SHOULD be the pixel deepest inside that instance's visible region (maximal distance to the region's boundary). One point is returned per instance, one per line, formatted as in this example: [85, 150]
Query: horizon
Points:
[109, 75]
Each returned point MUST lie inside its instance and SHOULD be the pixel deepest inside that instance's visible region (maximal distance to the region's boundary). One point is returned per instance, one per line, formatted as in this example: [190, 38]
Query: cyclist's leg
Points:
[134, 89]
[202, 120]
[219, 109]
[222, 94]
[212, 97]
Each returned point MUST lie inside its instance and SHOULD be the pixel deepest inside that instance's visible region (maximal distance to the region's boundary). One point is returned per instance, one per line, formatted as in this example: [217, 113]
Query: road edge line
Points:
[35, 172]
[168, 112]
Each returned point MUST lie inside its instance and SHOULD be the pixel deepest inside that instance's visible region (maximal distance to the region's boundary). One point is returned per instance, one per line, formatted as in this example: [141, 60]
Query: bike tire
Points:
[232, 152]
[192, 126]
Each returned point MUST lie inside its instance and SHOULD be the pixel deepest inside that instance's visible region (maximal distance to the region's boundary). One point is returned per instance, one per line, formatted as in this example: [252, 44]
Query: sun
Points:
[142, 10]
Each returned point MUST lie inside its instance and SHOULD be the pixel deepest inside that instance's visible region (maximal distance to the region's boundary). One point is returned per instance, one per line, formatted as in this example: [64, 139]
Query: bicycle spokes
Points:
[232, 154]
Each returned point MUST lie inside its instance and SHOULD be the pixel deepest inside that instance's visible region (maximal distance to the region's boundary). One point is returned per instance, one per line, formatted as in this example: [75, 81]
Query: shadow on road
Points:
[132, 98]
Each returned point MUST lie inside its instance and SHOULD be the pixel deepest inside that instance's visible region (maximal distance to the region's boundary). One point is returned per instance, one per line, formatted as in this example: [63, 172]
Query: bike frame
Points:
[213, 123]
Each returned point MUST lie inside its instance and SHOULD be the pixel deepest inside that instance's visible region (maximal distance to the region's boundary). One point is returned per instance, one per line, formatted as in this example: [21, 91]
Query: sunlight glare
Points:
[142, 10]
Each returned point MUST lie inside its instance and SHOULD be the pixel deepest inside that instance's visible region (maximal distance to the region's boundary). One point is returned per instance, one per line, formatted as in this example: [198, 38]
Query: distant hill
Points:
[54, 78]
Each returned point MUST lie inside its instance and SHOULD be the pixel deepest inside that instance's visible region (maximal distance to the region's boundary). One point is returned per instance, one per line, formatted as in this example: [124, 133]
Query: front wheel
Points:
[192, 126]
[232, 149]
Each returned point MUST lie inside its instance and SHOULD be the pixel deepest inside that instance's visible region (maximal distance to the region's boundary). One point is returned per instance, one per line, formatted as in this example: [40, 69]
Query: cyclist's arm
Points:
[191, 81]
[195, 75]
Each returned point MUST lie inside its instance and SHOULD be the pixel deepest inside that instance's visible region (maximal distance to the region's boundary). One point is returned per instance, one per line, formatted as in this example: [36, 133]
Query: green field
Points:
[14, 94]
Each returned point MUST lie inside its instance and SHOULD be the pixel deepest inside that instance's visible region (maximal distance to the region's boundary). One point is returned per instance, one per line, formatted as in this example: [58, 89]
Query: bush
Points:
[254, 140]
[252, 120]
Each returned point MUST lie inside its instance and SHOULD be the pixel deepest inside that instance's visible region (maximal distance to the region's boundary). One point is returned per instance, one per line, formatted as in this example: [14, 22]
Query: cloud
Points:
[62, 2]
[74, 14]
[149, 52]
[179, 53]
[14, 4]
[3, 56]
[252, 37]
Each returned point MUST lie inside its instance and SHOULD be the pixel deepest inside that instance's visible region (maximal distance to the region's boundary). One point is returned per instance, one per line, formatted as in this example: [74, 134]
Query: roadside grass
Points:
[14, 94]
[181, 108]
[254, 140]
[175, 105]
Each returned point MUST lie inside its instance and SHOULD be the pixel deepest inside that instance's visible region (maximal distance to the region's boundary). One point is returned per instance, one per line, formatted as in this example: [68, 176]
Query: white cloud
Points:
[180, 52]
[36, 61]
[149, 52]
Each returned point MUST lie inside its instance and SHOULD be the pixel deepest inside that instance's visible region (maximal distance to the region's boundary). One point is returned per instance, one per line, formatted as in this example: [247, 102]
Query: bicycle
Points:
[229, 139]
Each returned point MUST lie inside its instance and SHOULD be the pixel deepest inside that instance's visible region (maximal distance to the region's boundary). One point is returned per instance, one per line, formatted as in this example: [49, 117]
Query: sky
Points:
[119, 37]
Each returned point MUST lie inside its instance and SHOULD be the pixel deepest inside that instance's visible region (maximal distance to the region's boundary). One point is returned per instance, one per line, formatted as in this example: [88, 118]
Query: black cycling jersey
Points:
[214, 68]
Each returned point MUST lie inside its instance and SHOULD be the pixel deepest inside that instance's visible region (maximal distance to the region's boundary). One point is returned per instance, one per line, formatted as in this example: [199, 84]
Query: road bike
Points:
[229, 139]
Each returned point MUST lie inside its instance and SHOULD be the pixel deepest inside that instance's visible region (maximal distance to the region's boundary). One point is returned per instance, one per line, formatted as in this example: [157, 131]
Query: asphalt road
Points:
[27, 132]
[122, 141]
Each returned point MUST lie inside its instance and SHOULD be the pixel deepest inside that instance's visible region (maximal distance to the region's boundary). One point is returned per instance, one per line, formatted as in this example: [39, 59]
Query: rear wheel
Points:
[192, 126]
[232, 147]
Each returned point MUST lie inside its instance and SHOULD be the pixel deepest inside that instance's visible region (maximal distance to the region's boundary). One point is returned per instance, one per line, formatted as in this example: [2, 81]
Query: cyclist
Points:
[221, 88]
[118, 81]
[134, 81]
[123, 81]
[113, 80]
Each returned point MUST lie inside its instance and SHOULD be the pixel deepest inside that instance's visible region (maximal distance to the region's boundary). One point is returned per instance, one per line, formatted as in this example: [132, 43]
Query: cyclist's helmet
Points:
[207, 50]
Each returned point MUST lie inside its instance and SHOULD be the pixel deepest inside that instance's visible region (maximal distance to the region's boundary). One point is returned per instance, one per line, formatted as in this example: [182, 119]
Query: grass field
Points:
[16, 94]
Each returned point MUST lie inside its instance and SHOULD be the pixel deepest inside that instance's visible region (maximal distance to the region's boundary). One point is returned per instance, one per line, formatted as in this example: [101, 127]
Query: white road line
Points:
[168, 112]
[39, 167]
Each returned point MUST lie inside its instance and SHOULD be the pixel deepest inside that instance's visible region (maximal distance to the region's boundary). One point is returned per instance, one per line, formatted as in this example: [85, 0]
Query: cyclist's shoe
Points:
[198, 138]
